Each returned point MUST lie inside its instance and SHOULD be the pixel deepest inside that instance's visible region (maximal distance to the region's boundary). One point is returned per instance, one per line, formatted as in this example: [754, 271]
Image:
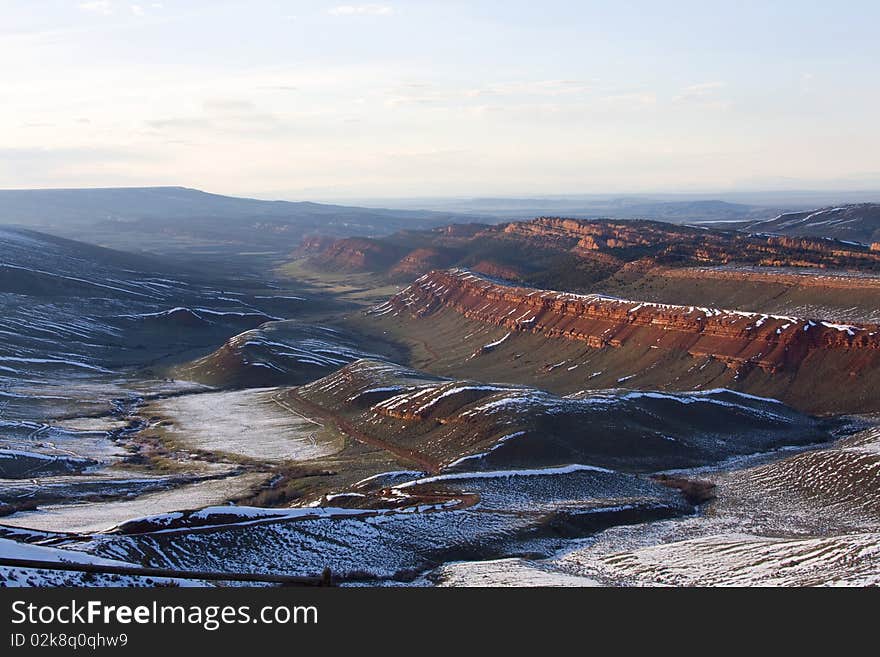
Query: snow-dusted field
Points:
[505, 572]
[806, 520]
[746, 560]
[99, 516]
[251, 423]
[16, 577]
[55, 439]
[103, 424]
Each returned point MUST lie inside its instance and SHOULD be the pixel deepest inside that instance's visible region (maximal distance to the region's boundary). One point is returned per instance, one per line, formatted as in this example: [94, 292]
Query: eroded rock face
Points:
[742, 340]
[420, 260]
[672, 244]
[610, 244]
[599, 235]
[799, 278]
[358, 254]
[497, 270]
[312, 244]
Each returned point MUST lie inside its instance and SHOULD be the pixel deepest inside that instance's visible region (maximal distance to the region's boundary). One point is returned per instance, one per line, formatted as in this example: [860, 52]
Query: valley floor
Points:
[182, 424]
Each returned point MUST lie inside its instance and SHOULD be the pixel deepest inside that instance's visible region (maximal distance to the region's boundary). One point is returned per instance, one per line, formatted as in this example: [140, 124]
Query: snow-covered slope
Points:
[15, 576]
[859, 223]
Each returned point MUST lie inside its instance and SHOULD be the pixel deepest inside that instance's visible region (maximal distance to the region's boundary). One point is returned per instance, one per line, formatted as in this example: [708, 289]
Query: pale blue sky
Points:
[332, 99]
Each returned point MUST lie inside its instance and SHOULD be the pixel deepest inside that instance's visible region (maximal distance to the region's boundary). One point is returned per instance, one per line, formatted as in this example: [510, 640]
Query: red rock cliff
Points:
[740, 339]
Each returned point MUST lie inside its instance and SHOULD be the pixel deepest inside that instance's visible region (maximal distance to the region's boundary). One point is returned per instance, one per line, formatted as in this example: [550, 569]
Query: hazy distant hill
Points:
[674, 210]
[858, 222]
[575, 254]
[177, 219]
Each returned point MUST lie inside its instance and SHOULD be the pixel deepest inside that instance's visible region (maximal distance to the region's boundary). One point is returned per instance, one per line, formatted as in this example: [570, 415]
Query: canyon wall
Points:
[612, 244]
[794, 278]
[741, 340]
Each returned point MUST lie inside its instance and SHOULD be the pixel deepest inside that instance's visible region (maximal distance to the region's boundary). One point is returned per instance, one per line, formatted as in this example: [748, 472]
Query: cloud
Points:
[698, 92]
[179, 122]
[47, 167]
[636, 99]
[361, 10]
[806, 82]
[220, 116]
[228, 105]
[103, 7]
[143, 9]
[403, 100]
[108, 7]
[532, 88]
[420, 93]
[513, 93]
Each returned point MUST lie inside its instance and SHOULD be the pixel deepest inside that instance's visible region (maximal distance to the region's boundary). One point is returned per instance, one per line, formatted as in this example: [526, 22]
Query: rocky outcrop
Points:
[497, 270]
[284, 352]
[460, 230]
[600, 235]
[419, 261]
[741, 340]
[603, 246]
[312, 244]
[358, 254]
[629, 240]
[793, 278]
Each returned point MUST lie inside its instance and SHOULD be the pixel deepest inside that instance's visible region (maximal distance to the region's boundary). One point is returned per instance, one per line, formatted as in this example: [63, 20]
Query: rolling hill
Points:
[180, 220]
[463, 322]
[857, 222]
[71, 308]
[576, 254]
[514, 470]
[654, 397]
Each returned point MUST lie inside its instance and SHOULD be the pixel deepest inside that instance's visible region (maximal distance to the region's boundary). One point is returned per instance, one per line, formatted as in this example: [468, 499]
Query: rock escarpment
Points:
[791, 277]
[629, 240]
[359, 254]
[550, 244]
[741, 340]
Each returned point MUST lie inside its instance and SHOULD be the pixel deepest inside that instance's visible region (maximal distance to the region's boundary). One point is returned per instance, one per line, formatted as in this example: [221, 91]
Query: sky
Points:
[329, 100]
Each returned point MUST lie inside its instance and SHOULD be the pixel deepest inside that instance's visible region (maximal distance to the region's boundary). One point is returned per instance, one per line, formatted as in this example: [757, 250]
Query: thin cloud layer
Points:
[104, 7]
[517, 98]
[361, 10]
[109, 7]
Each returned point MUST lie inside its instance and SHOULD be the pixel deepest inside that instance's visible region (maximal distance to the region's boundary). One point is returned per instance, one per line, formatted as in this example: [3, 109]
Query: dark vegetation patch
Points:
[695, 491]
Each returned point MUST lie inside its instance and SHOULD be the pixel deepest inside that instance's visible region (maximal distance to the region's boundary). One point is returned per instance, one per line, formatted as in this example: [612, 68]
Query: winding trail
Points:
[313, 436]
[434, 355]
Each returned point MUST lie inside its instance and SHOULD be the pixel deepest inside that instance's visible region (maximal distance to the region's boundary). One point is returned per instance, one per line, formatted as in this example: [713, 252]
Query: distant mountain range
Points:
[675, 210]
[182, 220]
[192, 223]
[575, 254]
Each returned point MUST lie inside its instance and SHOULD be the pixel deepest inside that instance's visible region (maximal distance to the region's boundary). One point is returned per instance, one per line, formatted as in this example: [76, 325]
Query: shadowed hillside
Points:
[172, 220]
[857, 222]
[469, 323]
